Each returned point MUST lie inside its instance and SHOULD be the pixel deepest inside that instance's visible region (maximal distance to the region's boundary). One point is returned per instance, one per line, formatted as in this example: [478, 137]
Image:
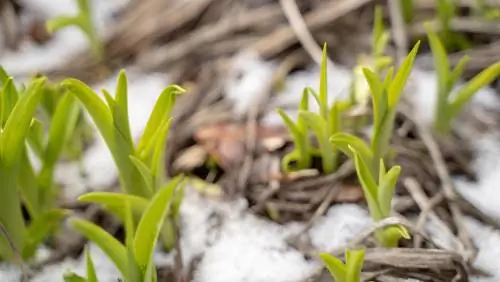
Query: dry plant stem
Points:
[145, 29]
[448, 189]
[176, 51]
[323, 207]
[426, 207]
[284, 36]
[273, 188]
[250, 145]
[302, 32]
[10, 25]
[365, 234]
[398, 29]
[344, 170]
[460, 24]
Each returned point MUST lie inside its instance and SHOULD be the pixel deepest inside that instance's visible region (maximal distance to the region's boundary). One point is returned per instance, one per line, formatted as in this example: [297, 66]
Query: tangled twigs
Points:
[284, 36]
[448, 189]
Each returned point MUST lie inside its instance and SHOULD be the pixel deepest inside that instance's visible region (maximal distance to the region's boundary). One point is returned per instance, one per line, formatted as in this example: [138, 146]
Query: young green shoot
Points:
[408, 10]
[140, 166]
[377, 183]
[448, 106]
[385, 98]
[377, 61]
[134, 259]
[91, 273]
[326, 122]
[350, 271]
[84, 21]
[301, 155]
[446, 11]
[22, 185]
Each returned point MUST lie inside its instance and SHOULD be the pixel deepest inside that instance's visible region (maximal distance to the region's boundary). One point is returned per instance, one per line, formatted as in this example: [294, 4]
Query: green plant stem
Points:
[10, 213]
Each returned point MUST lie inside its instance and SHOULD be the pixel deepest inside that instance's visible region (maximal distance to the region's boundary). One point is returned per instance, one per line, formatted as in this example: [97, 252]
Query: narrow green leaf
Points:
[397, 85]
[303, 106]
[344, 141]
[407, 8]
[40, 228]
[134, 272]
[390, 236]
[481, 80]
[368, 184]
[335, 267]
[293, 128]
[386, 189]
[91, 274]
[160, 140]
[3, 76]
[145, 172]
[107, 243]
[9, 99]
[73, 277]
[115, 202]
[161, 112]
[28, 187]
[314, 94]
[378, 29]
[300, 139]
[441, 63]
[36, 138]
[101, 115]
[323, 85]
[458, 71]
[120, 107]
[17, 125]
[316, 123]
[110, 101]
[61, 129]
[354, 263]
[379, 99]
[151, 223]
[60, 22]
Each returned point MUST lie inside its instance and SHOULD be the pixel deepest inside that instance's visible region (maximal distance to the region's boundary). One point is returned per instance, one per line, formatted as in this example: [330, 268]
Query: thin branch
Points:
[299, 26]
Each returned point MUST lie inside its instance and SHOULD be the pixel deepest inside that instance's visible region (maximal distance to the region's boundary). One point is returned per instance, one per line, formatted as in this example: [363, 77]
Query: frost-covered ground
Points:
[237, 246]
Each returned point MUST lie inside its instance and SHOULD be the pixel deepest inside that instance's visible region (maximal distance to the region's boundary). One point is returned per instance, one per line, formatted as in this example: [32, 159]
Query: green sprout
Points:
[82, 133]
[140, 166]
[91, 273]
[447, 10]
[323, 125]
[301, 154]
[377, 61]
[385, 98]
[83, 20]
[377, 183]
[408, 10]
[20, 184]
[327, 121]
[448, 106]
[348, 272]
[134, 259]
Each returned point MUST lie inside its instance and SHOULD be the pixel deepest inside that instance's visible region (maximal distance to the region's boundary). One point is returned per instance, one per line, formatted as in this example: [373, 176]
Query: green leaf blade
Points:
[397, 86]
[151, 223]
[110, 246]
[481, 80]
[354, 263]
[335, 267]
